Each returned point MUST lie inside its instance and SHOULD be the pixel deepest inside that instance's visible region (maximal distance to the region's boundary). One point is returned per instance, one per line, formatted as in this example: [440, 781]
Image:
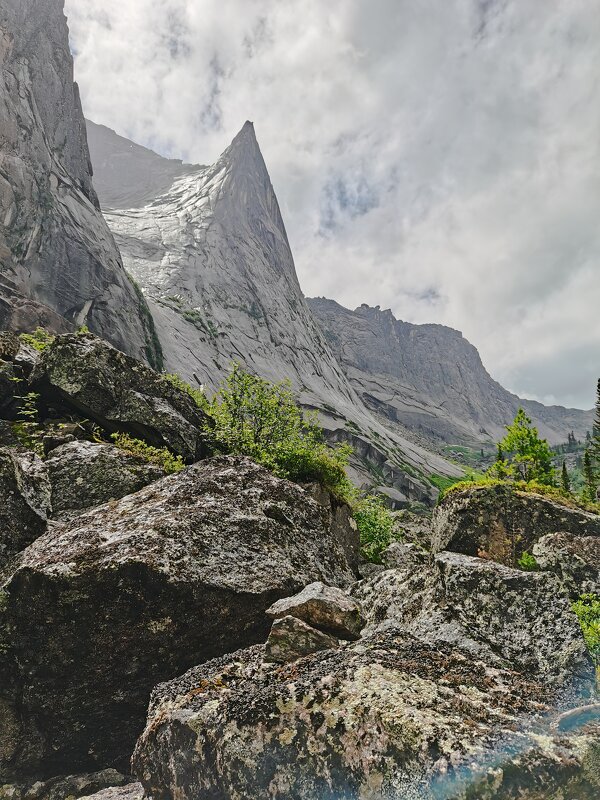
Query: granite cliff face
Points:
[59, 265]
[430, 379]
[209, 247]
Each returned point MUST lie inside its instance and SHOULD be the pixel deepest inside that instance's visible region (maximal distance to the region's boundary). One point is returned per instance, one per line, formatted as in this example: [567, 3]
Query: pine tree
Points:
[566, 483]
[523, 454]
[589, 477]
[594, 445]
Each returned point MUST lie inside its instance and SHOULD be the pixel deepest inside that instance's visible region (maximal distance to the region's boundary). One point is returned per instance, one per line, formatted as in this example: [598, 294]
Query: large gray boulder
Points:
[99, 610]
[58, 260]
[24, 502]
[501, 522]
[85, 474]
[462, 665]
[88, 375]
[575, 559]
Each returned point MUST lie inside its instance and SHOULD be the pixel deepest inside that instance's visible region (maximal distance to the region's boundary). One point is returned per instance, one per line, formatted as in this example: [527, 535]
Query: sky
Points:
[437, 157]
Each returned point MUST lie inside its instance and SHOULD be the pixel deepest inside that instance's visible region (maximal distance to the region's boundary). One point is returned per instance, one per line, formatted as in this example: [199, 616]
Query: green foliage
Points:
[376, 526]
[589, 477]
[82, 330]
[587, 609]
[153, 455]
[259, 419]
[197, 395]
[27, 428]
[522, 454]
[40, 339]
[565, 483]
[442, 482]
[528, 562]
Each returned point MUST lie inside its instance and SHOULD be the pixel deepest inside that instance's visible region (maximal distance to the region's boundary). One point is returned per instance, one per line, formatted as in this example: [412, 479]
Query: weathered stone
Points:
[85, 474]
[69, 787]
[119, 393]
[575, 559]
[100, 609]
[9, 345]
[325, 607]
[382, 717]
[401, 554]
[341, 521]
[24, 502]
[290, 639]
[501, 522]
[500, 615]
[133, 791]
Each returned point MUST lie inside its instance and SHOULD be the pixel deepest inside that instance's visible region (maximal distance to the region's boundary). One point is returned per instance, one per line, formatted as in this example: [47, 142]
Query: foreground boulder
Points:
[324, 607]
[101, 609]
[291, 639]
[68, 787]
[575, 559]
[85, 474]
[24, 502]
[462, 664]
[501, 522]
[86, 374]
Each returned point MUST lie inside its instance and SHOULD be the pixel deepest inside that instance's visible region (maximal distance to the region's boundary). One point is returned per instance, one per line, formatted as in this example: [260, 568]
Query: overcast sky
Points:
[437, 157]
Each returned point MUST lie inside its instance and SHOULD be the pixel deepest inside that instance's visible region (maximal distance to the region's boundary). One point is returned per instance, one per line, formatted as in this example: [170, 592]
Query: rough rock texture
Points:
[86, 374]
[458, 672]
[575, 559]
[24, 502]
[209, 247]
[501, 523]
[86, 474]
[401, 554]
[58, 261]
[291, 639]
[500, 615]
[133, 791]
[324, 607]
[68, 787]
[100, 609]
[430, 379]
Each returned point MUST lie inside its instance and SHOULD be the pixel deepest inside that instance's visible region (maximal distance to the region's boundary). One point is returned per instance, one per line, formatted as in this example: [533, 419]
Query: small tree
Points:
[564, 479]
[522, 454]
[589, 477]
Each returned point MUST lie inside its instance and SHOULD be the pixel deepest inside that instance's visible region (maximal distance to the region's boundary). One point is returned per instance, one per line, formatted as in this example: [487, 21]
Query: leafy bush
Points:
[259, 419]
[587, 609]
[375, 526]
[197, 395]
[40, 339]
[527, 562]
[153, 455]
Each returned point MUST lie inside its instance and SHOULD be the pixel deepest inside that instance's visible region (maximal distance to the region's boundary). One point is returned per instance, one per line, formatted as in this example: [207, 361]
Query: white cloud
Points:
[438, 158]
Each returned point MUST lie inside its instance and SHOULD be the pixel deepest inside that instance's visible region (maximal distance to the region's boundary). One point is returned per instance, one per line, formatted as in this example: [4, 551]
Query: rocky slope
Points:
[209, 247]
[59, 265]
[430, 379]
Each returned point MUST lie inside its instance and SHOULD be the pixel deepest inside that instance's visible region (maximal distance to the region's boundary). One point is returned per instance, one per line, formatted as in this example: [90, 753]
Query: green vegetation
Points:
[522, 455]
[197, 395]
[375, 524]
[527, 562]
[153, 455]
[587, 609]
[443, 483]
[40, 339]
[27, 428]
[565, 483]
[259, 419]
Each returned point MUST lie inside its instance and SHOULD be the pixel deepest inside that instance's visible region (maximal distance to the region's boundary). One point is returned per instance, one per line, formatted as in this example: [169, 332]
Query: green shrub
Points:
[528, 562]
[153, 455]
[40, 339]
[27, 428]
[260, 419]
[375, 525]
[587, 609]
[197, 395]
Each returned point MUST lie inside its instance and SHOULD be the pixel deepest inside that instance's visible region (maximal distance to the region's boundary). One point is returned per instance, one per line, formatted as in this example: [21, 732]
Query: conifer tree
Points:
[589, 477]
[594, 444]
[565, 482]
[522, 454]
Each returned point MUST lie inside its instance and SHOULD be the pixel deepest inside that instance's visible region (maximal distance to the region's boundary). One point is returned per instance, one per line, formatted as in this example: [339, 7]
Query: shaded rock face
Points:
[85, 373]
[290, 638]
[85, 474]
[59, 264]
[99, 610]
[24, 502]
[460, 669]
[430, 379]
[501, 523]
[575, 559]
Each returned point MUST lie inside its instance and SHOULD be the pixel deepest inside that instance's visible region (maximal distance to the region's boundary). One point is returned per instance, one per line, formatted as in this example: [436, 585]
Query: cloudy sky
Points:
[437, 157]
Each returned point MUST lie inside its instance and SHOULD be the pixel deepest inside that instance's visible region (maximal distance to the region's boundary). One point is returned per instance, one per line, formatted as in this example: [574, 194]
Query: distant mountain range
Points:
[194, 270]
